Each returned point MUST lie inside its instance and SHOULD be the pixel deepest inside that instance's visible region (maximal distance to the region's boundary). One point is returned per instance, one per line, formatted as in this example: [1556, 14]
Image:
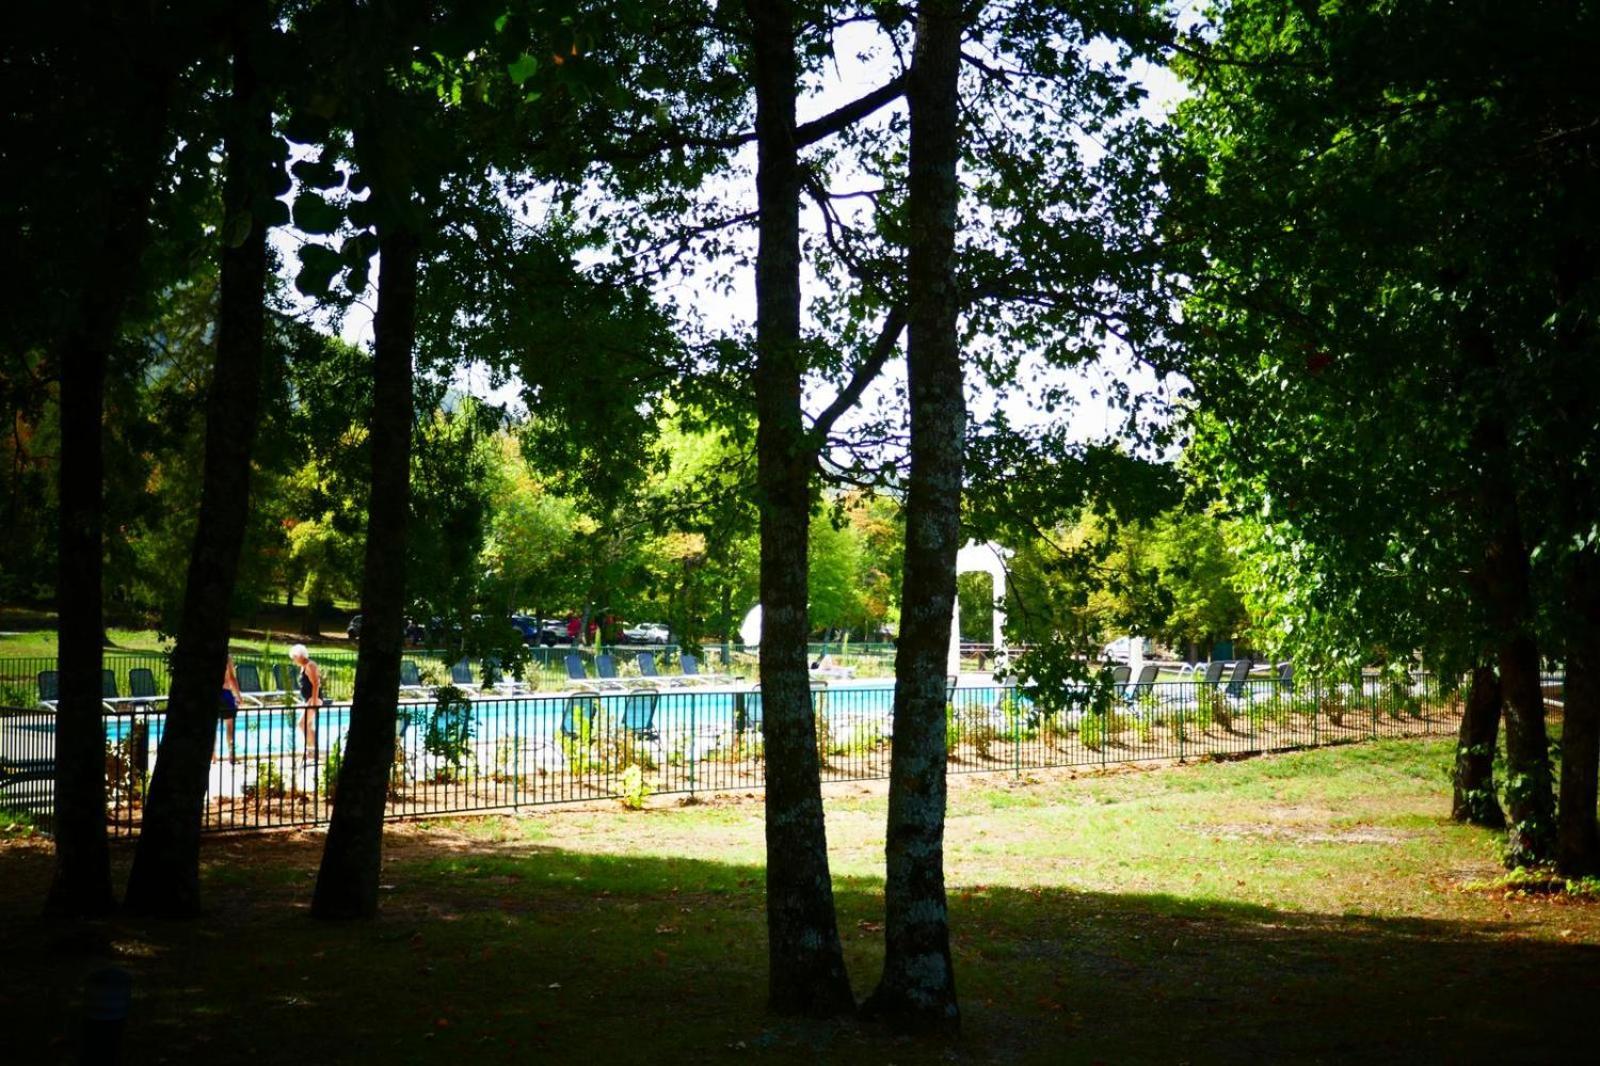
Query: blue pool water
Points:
[537, 719]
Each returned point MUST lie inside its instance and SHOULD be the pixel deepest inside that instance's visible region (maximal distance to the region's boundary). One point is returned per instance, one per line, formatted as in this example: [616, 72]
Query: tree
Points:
[917, 990]
[347, 879]
[89, 126]
[166, 870]
[1373, 369]
[806, 973]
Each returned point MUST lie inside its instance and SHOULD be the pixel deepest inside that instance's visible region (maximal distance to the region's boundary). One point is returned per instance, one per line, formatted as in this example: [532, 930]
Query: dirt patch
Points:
[1305, 834]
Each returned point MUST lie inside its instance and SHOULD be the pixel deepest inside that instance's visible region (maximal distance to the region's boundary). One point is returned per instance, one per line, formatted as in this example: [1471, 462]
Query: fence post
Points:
[1016, 731]
[1180, 730]
[692, 748]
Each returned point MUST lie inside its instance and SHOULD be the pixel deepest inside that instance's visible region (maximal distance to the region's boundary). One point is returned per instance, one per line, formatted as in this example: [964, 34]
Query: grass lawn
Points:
[1308, 907]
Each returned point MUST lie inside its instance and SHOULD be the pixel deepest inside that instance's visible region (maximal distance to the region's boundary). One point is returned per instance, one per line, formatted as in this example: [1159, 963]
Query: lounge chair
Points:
[605, 669]
[750, 704]
[249, 677]
[639, 712]
[493, 678]
[1121, 674]
[1286, 677]
[1213, 672]
[690, 665]
[287, 677]
[750, 701]
[110, 698]
[1239, 680]
[142, 688]
[646, 662]
[1142, 689]
[49, 689]
[582, 706]
[461, 677]
[411, 680]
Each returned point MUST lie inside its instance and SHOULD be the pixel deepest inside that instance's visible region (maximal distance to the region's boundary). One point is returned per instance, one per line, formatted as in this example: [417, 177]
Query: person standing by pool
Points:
[310, 696]
[231, 699]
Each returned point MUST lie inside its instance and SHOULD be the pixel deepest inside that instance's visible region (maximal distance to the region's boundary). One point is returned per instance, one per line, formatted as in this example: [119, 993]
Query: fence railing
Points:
[457, 756]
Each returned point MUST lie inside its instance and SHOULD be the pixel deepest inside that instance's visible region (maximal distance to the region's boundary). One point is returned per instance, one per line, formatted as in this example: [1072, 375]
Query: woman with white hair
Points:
[310, 696]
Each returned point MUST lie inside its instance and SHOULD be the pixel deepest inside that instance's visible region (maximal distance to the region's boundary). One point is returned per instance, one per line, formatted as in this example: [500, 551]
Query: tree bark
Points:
[166, 868]
[1476, 801]
[117, 165]
[806, 972]
[917, 990]
[1530, 798]
[1577, 836]
[347, 882]
[82, 880]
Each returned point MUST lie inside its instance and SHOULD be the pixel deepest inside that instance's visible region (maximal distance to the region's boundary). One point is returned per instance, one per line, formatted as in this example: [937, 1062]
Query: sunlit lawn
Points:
[1311, 906]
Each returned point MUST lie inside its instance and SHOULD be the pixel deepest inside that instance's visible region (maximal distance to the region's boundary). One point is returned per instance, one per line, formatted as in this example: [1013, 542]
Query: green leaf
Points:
[318, 175]
[313, 214]
[318, 265]
[523, 68]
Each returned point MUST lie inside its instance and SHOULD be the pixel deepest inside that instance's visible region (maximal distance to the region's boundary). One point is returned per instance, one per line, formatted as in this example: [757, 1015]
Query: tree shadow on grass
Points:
[518, 952]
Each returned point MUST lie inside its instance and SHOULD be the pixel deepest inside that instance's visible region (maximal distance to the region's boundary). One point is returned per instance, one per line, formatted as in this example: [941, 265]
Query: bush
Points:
[1092, 730]
[632, 788]
[269, 781]
[449, 734]
[330, 770]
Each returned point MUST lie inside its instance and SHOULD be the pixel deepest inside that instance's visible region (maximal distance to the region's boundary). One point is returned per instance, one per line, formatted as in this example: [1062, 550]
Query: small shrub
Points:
[632, 788]
[505, 758]
[978, 729]
[619, 747]
[577, 749]
[1220, 712]
[863, 739]
[330, 770]
[1092, 731]
[824, 738]
[269, 781]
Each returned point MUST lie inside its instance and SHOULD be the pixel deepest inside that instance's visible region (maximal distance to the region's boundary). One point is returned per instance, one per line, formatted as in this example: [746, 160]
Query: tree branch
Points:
[882, 349]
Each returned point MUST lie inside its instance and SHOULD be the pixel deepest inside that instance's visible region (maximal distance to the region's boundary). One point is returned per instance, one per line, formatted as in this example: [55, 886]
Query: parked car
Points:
[527, 627]
[413, 632]
[647, 633]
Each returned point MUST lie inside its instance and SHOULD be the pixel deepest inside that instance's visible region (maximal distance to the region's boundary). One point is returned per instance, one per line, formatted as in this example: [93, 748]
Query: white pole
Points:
[953, 663]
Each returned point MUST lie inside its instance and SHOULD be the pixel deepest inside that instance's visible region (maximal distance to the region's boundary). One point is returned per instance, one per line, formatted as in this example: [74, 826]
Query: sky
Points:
[861, 65]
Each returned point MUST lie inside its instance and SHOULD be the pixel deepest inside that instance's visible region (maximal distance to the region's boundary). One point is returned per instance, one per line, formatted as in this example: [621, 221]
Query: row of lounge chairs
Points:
[606, 675]
[143, 693]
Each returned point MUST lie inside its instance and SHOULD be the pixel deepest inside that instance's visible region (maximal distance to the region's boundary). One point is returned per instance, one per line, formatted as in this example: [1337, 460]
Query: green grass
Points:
[41, 643]
[1312, 906]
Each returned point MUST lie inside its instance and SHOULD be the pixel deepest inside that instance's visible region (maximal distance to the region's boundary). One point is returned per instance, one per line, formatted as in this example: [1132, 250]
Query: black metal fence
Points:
[455, 755]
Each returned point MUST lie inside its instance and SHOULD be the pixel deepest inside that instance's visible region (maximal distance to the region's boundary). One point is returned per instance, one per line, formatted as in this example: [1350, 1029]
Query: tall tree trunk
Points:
[347, 882]
[1530, 798]
[117, 165]
[1475, 800]
[806, 973]
[166, 868]
[82, 881]
[1577, 836]
[917, 990]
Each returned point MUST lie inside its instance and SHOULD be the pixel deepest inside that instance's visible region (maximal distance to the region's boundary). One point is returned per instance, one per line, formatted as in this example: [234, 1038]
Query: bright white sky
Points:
[861, 66]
